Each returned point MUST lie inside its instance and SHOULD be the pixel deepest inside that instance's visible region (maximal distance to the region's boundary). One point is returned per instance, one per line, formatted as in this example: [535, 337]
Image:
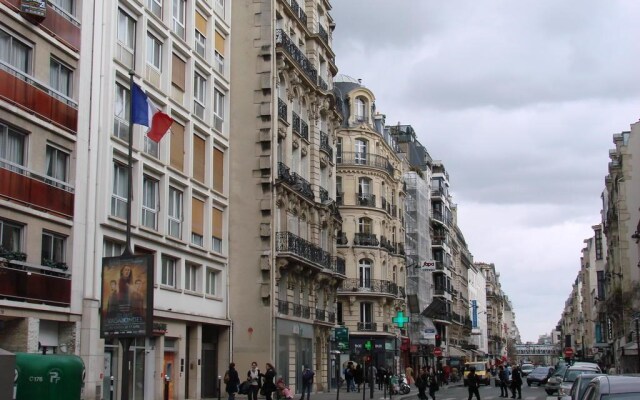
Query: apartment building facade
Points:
[371, 196]
[40, 306]
[286, 269]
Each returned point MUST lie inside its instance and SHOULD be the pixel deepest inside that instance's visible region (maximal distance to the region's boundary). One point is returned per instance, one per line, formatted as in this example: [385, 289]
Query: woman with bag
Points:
[268, 386]
[253, 377]
[232, 381]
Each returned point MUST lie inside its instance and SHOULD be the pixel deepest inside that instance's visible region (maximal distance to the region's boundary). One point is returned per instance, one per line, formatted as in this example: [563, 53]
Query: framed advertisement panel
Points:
[126, 309]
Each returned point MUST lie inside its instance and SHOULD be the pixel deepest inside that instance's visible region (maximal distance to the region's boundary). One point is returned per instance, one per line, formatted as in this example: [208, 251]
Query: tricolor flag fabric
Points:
[144, 113]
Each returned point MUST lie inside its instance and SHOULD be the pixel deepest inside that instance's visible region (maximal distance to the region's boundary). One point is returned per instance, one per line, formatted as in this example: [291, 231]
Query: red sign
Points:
[437, 352]
[568, 352]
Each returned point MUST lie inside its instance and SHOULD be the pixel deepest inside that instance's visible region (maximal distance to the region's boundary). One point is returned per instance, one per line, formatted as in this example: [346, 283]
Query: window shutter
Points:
[177, 146]
[219, 43]
[198, 158]
[197, 216]
[178, 72]
[216, 223]
[218, 170]
[201, 24]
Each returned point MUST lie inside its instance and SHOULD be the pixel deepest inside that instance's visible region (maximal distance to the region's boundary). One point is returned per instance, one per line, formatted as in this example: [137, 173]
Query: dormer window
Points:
[360, 110]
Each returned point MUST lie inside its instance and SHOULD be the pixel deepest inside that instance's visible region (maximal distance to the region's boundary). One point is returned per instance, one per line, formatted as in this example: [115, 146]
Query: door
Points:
[169, 372]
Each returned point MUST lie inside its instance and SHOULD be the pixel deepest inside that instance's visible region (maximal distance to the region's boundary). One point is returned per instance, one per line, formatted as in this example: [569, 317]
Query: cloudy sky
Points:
[520, 100]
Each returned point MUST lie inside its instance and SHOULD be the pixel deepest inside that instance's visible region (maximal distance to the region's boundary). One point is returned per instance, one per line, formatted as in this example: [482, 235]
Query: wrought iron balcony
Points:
[323, 34]
[320, 314]
[340, 198]
[365, 239]
[366, 199]
[322, 84]
[370, 286]
[283, 307]
[299, 12]
[283, 41]
[295, 122]
[287, 242]
[324, 194]
[324, 144]
[340, 265]
[400, 249]
[367, 326]
[304, 130]
[331, 317]
[386, 244]
[282, 110]
[297, 183]
[366, 159]
[342, 240]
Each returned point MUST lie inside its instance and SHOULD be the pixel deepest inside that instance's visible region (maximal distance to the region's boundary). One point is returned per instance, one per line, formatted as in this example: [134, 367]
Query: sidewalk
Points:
[377, 394]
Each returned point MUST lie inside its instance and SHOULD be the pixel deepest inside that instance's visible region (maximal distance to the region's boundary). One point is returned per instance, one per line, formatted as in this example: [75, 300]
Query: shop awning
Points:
[456, 352]
[436, 309]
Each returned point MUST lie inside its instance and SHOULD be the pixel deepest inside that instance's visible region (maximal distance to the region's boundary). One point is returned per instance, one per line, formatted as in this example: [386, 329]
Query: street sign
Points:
[437, 352]
[568, 352]
[342, 337]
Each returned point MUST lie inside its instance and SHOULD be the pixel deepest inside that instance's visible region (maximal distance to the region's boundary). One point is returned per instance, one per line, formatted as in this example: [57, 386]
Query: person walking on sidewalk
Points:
[232, 380]
[253, 377]
[516, 382]
[422, 382]
[434, 386]
[504, 378]
[473, 381]
[307, 382]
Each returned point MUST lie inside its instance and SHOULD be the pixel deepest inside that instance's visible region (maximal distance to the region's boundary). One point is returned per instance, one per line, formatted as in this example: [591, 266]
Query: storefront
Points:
[294, 349]
[385, 352]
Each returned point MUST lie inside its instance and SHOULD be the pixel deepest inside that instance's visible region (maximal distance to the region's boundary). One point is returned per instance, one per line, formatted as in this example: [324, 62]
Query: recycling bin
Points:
[49, 377]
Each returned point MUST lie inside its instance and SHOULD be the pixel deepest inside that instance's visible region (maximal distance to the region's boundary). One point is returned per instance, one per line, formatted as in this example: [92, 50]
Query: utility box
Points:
[7, 365]
[49, 377]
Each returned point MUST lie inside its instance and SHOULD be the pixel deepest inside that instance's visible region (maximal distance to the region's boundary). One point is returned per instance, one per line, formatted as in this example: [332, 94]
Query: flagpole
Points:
[128, 248]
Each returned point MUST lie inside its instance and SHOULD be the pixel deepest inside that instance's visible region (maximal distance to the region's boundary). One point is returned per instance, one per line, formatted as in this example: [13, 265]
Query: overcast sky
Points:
[520, 100]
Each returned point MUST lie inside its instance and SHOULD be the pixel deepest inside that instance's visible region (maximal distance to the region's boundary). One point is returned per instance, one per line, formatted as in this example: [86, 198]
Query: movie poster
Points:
[127, 296]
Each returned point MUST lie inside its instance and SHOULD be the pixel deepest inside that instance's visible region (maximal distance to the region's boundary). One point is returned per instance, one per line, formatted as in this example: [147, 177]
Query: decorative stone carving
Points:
[304, 150]
[295, 143]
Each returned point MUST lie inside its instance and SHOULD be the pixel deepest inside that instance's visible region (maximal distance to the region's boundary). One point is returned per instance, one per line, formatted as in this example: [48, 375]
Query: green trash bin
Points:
[49, 377]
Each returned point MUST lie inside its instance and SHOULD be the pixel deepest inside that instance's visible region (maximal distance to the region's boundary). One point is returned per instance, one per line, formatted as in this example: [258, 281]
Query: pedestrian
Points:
[380, 376]
[516, 382]
[253, 377]
[373, 378]
[502, 375]
[433, 384]
[269, 385]
[473, 383]
[348, 376]
[307, 382]
[358, 376]
[422, 382]
[612, 370]
[232, 380]
[408, 373]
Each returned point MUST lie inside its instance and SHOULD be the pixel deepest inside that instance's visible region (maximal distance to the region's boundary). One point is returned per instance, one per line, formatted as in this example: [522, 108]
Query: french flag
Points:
[144, 113]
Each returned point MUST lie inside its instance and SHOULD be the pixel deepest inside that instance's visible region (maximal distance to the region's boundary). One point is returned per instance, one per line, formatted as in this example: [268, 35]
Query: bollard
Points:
[219, 387]
[111, 388]
[166, 387]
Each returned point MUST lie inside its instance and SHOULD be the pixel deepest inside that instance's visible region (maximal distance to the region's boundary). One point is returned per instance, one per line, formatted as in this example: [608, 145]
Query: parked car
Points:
[481, 370]
[553, 383]
[526, 369]
[613, 387]
[571, 373]
[539, 376]
[580, 385]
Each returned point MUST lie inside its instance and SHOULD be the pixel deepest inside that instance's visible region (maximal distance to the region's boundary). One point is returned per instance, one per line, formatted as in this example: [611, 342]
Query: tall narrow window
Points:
[120, 190]
[366, 316]
[150, 202]
[175, 212]
[126, 39]
[218, 110]
[364, 273]
[178, 72]
[156, 7]
[339, 151]
[199, 95]
[216, 229]
[598, 243]
[200, 44]
[121, 113]
[168, 277]
[154, 51]
[177, 147]
[53, 248]
[12, 148]
[10, 236]
[212, 282]
[361, 152]
[199, 145]
[219, 53]
[360, 110]
[57, 166]
[364, 225]
[60, 77]
[178, 17]
[218, 170]
[191, 277]
[15, 52]
[197, 222]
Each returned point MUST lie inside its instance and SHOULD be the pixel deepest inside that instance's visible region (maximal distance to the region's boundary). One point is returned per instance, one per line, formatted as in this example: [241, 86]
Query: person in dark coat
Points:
[269, 385]
[504, 378]
[422, 382]
[382, 372]
[473, 383]
[433, 384]
[516, 382]
[358, 376]
[232, 381]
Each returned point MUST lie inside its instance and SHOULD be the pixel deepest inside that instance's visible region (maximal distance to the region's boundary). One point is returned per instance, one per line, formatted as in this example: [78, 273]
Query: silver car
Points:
[613, 388]
[571, 373]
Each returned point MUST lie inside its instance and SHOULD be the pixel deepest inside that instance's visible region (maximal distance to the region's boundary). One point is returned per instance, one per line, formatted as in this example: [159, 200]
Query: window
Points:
[168, 273]
[120, 190]
[12, 148]
[60, 77]
[364, 275]
[178, 68]
[364, 225]
[10, 236]
[154, 52]
[366, 315]
[197, 222]
[360, 110]
[200, 44]
[112, 248]
[57, 165]
[598, 234]
[126, 38]
[52, 247]
[176, 159]
[151, 147]
[216, 230]
[219, 5]
[218, 110]
[339, 315]
[361, 151]
[199, 95]
[191, 277]
[199, 146]
[218, 170]
[212, 282]
[15, 52]
[156, 7]
[339, 151]
[219, 52]
[178, 17]
[175, 212]
[150, 202]
[66, 6]
[121, 113]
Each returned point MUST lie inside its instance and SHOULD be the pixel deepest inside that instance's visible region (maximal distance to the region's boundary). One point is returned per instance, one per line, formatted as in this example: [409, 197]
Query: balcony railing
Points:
[324, 144]
[365, 239]
[366, 199]
[297, 183]
[340, 265]
[283, 307]
[283, 40]
[22, 90]
[44, 193]
[370, 286]
[320, 314]
[34, 284]
[299, 12]
[331, 317]
[386, 244]
[340, 198]
[342, 240]
[367, 326]
[287, 242]
[366, 159]
[323, 34]
[304, 130]
[324, 194]
[282, 110]
[322, 84]
[295, 122]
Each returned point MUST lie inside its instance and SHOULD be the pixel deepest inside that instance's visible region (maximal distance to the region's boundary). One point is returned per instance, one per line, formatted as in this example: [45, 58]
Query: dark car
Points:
[580, 385]
[562, 384]
[539, 375]
[613, 387]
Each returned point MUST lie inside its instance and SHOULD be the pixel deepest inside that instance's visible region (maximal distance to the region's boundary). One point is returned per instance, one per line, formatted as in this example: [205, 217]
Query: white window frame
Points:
[57, 71]
[126, 37]
[10, 47]
[361, 146]
[212, 278]
[178, 17]
[111, 248]
[156, 7]
[200, 44]
[57, 165]
[13, 145]
[119, 190]
[154, 51]
[360, 110]
[199, 95]
[218, 109]
[366, 313]
[219, 7]
[150, 202]
[175, 213]
[191, 281]
[168, 271]
[57, 246]
[121, 109]
[365, 271]
[66, 6]
[219, 62]
[8, 228]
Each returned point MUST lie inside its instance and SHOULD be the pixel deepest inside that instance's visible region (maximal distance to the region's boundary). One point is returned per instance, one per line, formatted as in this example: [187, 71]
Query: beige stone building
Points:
[496, 332]
[284, 270]
[370, 189]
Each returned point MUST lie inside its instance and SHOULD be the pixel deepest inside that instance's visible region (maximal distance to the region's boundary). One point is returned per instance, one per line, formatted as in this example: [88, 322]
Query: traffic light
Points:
[438, 340]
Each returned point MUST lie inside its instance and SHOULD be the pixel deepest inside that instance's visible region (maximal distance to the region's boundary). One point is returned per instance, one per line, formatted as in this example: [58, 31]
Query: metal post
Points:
[128, 250]
[364, 380]
[111, 388]
[638, 341]
[337, 378]
[219, 387]
[126, 367]
[372, 380]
